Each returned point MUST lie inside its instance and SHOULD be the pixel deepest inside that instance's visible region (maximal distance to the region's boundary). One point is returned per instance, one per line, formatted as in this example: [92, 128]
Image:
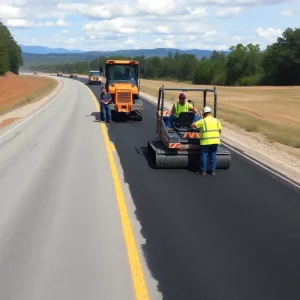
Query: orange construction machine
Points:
[121, 79]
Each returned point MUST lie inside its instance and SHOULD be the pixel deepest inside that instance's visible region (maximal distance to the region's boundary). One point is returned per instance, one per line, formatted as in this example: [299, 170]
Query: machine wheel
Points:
[138, 114]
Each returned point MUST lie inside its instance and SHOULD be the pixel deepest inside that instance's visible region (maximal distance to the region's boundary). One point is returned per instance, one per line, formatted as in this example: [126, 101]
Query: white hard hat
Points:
[206, 109]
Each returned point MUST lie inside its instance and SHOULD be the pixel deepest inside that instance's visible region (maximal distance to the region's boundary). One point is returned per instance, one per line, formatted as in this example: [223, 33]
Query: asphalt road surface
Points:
[235, 236]
[60, 230]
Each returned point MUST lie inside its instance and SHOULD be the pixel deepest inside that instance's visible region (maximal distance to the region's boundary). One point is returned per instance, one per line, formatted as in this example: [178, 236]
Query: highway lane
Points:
[229, 237]
[60, 230]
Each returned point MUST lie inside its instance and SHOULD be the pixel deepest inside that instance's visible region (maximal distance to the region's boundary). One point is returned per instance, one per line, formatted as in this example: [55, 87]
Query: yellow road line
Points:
[137, 274]
[112, 146]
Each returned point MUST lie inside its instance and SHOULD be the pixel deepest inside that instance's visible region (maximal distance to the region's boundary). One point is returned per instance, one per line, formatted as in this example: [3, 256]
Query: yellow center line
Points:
[136, 269]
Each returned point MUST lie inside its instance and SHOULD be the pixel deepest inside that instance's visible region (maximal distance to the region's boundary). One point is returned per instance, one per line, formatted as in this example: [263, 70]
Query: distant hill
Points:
[46, 50]
[71, 57]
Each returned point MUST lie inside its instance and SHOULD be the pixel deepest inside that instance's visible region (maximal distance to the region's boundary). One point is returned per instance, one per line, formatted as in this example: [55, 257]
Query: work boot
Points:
[200, 172]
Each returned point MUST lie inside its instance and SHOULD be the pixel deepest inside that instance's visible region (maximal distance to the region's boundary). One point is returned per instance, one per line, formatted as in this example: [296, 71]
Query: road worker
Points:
[105, 99]
[182, 106]
[210, 132]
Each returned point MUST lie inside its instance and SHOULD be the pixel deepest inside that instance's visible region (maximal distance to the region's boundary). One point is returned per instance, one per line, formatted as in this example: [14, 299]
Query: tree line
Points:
[10, 52]
[246, 65]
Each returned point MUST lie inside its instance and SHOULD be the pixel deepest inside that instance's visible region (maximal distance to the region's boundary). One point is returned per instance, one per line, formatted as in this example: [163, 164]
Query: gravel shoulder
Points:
[283, 159]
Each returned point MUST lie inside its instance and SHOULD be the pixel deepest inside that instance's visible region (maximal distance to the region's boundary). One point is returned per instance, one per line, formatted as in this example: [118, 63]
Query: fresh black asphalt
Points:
[235, 236]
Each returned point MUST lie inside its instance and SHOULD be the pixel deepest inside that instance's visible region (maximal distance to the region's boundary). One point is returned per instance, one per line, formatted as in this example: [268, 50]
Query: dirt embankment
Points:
[20, 90]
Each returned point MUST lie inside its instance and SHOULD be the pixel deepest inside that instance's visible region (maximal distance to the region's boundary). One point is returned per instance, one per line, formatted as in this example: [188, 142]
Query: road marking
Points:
[112, 146]
[30, 117]
[137, 274]
[245, 156]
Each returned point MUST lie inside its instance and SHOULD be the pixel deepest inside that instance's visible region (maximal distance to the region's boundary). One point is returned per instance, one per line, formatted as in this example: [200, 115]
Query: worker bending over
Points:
[210, 132]
[182, 106]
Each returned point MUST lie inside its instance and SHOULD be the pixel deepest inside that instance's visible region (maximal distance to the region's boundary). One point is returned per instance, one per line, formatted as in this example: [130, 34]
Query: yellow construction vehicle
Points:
[121, 80]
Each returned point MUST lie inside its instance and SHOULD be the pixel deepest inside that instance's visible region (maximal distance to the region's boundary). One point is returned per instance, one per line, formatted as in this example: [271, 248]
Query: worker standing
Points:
[210, 132]
[105, 99]
[182, 106]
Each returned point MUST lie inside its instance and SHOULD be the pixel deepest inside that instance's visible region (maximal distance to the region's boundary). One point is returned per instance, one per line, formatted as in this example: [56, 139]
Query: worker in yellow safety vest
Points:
[182, 106]
[210, 133]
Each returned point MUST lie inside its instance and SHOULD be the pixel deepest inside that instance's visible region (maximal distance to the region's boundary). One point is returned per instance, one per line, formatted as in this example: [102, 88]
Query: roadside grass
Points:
[272, 111]
[39, 92]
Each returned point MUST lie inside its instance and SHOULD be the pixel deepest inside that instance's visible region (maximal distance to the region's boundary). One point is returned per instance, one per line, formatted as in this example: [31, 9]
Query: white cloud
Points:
[138, 23]
[269, 34]
[27, 23]
[228, 12]
[237, 38]
[162, 29]
[161, 7]
[243, 2]
[106, 11]
[168, 42]
[118, 25]
[19, 23]
[130, 41]
[222, 48]
[61, 22]
[142, 25]
[286, 13]
[10, 12]
[74, 41]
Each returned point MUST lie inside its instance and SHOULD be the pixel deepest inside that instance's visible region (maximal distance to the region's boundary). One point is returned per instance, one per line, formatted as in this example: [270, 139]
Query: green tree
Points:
[4, 59]
[281, 61]
[13, 49]
[244, 65]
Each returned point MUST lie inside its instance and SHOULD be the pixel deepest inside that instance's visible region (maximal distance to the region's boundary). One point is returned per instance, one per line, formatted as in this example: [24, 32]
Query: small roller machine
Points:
[179, 147]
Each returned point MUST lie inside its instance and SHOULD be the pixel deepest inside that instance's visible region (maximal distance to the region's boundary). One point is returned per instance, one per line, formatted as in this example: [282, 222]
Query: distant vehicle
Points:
[73, 74]
[59, 73]
[95, 77]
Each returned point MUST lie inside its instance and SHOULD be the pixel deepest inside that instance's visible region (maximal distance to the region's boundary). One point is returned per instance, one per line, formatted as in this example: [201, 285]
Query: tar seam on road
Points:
[27, 119]
[139, 283]
[247, 157]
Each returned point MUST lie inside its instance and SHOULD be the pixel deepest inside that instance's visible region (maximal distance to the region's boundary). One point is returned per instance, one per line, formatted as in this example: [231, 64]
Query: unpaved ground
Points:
[274, 112]
[39, 95]
[19, 90]
[283, 159]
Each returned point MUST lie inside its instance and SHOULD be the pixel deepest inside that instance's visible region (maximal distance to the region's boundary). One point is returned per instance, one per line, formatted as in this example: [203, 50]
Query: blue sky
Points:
[133, 24]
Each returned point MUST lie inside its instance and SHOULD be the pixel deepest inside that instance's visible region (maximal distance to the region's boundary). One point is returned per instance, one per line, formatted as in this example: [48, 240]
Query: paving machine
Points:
[179, 147]
[122, 82]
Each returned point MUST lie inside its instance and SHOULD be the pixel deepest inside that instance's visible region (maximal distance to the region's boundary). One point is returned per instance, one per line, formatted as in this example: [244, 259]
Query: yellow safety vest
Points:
[209, 131]
[182, 108]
